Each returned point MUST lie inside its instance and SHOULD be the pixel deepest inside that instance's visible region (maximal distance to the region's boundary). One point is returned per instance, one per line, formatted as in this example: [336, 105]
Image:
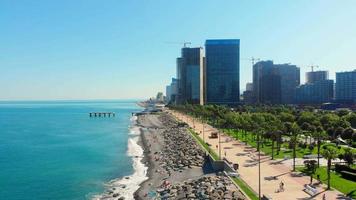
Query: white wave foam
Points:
[126, 186]
[135, 131]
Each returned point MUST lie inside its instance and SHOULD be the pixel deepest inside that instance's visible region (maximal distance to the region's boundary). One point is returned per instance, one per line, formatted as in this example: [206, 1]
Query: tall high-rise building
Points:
[249, 86]
[317, 92]
[261, 69]
[171, 91]
[188, 74]
[275, 83]
[290, 80]
[168, 93]
[346, 87]
[203, 82]
[222, 71]
[314, 76]
[248, 94]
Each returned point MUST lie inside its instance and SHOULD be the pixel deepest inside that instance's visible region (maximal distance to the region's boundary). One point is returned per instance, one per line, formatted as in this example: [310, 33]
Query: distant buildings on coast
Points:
[212, 76]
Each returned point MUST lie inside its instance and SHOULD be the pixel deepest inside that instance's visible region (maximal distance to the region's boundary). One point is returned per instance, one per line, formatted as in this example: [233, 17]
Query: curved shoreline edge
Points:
[145, 160]
[125, 187]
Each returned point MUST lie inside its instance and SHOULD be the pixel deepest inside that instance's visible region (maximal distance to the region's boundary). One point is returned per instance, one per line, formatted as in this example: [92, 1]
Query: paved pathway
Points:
[238, 152]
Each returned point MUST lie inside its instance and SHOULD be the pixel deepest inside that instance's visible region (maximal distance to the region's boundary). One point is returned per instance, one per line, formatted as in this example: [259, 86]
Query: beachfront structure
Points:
[222, 71]
[317, 92]
[314, 76]
[275, 83]
[346, 87]
[188, 74]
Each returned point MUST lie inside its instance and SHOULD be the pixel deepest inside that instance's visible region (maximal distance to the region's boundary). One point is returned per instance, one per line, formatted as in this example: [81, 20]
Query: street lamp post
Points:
[203, 131]
[259, 167]
[219, 145]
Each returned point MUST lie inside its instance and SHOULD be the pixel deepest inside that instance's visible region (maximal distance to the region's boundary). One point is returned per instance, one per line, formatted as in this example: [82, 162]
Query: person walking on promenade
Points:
[281, 186]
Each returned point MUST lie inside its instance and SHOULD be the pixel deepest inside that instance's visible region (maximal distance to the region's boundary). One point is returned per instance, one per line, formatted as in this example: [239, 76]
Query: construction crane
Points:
[313, 66]
[185, 44]
[252, 59]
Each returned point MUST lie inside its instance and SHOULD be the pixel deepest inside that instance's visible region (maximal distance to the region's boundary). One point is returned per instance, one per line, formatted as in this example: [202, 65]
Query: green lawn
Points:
[345, 186]
[204, 145]
[285, 151]
[243, 186]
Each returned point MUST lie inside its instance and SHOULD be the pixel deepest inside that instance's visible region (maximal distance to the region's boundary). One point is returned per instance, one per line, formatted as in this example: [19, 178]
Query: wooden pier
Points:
[102, 114]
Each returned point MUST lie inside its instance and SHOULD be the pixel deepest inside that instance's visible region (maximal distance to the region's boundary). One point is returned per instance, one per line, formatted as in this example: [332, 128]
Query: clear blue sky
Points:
[85, 49]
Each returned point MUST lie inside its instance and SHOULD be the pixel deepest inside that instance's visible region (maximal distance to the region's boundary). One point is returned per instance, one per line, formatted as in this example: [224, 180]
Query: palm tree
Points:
[275, 135]
[310, 166]
[349, 156]
[329, 153]
[294, 137]
[305, 127]
[319, 135]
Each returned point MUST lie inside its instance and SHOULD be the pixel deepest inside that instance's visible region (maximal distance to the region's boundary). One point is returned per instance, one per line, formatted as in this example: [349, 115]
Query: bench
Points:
[266, 197]
[310, 190]
[311, 156]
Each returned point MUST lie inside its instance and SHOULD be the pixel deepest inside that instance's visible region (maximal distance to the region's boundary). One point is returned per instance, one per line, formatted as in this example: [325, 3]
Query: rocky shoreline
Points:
[180, 149]
[207, 187]
[175, 164]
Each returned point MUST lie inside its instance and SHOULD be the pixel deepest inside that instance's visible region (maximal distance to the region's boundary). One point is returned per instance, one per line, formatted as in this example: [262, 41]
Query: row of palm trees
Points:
[273, 123]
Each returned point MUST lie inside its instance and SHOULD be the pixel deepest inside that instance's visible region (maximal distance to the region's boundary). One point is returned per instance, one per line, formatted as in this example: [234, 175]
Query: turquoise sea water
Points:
[53, 150]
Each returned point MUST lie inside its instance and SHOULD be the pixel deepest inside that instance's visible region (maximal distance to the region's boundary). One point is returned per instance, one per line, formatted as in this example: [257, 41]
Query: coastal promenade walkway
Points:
[246, 156]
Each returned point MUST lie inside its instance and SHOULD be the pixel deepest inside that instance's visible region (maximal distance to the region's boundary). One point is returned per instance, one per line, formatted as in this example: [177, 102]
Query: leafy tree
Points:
[286, 117]
[351, 118]
[329, 153]
[337, 132]
[328, 120]
[349, 156]
[310, 166]
[306, 130]
[342, 112]
[275, 137]
[342, 123]
[347, 134]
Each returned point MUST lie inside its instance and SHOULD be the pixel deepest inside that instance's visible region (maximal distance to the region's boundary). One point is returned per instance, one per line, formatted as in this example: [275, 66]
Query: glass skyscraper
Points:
[188, 74]
[275, 83]
[346, 87]
[222, 71]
